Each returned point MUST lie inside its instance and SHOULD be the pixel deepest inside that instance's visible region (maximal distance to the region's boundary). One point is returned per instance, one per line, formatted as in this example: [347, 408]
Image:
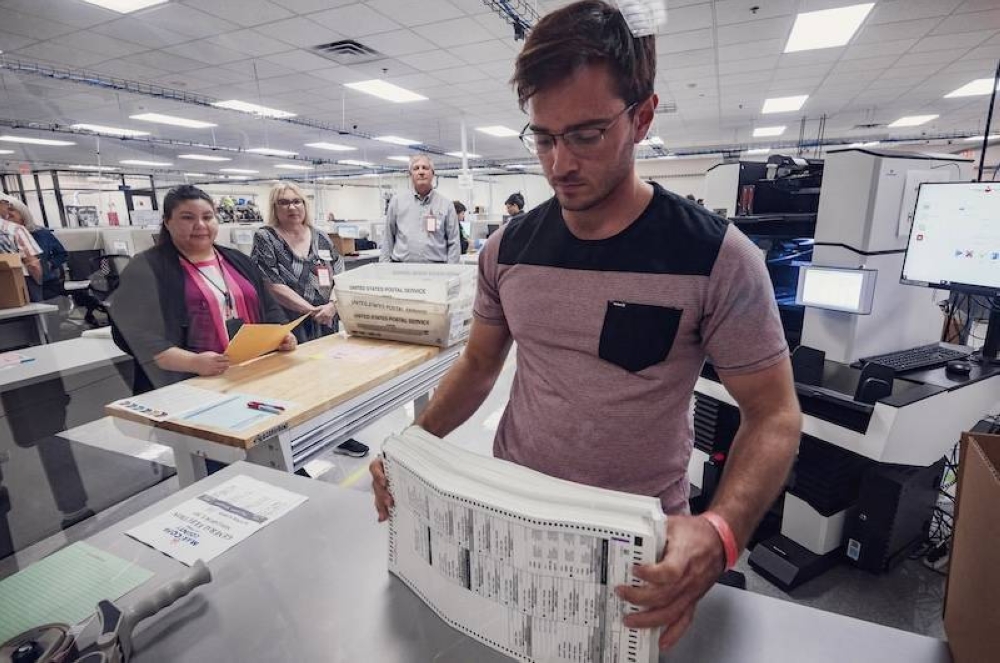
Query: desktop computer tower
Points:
[893, 515]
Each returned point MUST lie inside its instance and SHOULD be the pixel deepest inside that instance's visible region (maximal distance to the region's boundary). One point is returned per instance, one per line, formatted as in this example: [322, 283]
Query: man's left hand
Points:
[693, 560]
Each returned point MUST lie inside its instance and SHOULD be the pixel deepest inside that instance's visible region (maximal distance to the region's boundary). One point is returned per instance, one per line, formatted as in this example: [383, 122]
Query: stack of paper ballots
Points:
[414, 303]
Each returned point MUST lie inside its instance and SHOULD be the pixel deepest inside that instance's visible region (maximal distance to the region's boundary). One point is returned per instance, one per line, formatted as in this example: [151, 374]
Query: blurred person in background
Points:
[15, 238]
[53, 254]
[421, 225]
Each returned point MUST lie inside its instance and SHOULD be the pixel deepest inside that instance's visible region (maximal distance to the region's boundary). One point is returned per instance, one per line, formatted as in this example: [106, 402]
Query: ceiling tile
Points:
[399, 42]
[760, 48]
[34, 27]
[771, 28]
[184, 20]
[855, 52]
[487, 51]
[52, 51]
[948, 42]
[257, 69]
[696, 58]
[307, 6]
[729, 12]
[252, 42]
[246, 13]
[460, 31]
[301, 61]
[871, 34]
[433, 60]
[140, 32]
[685, 19]
[748, 64]
[889, 11]
[683, 41]
[409, 13]
[9, 42]
[205, 52]
[971, 22]
[355, 20]
[76, 14]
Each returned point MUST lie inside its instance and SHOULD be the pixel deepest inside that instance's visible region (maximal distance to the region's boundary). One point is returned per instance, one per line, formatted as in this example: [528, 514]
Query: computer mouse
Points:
[958, 367]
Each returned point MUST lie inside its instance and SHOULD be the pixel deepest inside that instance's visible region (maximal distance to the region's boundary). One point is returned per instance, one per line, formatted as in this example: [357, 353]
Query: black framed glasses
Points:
[579, 141]
[294, 202]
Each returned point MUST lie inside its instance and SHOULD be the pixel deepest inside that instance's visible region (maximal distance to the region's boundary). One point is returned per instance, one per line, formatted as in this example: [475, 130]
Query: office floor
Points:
[909, 597]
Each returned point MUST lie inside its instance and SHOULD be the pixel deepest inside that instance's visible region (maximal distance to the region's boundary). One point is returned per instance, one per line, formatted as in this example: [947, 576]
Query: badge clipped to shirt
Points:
[324, 254]
[323, 274]
[431, 222]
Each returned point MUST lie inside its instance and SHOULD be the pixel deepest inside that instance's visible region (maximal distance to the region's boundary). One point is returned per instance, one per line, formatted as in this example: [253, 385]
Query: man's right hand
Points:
[380, 486]
[209, 364]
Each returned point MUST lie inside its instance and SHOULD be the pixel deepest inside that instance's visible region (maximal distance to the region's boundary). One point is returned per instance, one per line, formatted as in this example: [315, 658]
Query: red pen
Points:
[265, 407]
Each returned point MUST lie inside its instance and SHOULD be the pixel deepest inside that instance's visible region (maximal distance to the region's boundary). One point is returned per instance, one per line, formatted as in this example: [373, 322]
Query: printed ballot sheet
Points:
[533, 588]
[208, 525]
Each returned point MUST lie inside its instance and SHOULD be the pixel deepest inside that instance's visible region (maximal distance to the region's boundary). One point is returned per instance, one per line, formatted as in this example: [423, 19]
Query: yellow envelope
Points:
[252, 341]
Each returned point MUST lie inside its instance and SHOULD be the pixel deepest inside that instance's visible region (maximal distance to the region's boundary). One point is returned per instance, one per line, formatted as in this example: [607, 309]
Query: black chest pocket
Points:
[637, 336]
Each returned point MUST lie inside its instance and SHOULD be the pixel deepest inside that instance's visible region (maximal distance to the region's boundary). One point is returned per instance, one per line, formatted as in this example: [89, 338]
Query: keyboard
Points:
[924, 356]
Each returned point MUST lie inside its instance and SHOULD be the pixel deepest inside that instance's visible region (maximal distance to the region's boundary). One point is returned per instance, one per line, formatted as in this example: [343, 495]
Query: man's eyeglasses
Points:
[285, 202]
[579, 141]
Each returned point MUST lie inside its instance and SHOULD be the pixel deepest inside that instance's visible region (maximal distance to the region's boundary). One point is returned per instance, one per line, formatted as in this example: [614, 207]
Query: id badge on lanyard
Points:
[323, 275]
[431, 223]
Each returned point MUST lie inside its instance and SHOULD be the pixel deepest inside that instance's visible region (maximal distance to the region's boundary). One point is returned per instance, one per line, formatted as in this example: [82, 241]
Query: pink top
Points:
[206, 304]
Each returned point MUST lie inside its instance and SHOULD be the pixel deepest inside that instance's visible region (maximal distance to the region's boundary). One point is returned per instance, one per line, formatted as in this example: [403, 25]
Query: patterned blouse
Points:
[280, 266]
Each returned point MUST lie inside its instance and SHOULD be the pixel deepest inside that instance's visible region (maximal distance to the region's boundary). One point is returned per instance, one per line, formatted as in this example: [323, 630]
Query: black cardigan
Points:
[149, 314]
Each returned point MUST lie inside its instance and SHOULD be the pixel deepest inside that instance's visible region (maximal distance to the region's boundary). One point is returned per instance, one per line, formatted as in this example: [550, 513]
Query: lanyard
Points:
[224, 290]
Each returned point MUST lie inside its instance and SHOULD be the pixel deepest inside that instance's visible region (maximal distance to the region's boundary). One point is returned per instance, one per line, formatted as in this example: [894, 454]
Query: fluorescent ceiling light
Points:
[871, 143]
[293, 166]
[271, 152]
[246, 107]
[172, 120]
[826, 28]
[355, 162]
[397, 140]
[125, 6]
[784, 104]
[400, 159]
[979, 139]
[110, 131]
[498, 131]
[6, 151]
[976, 88]
[665, 157]
[97, 169]
[195, 175]
[913, 121]
[652, 141]
[761, 132]
[517, 166]
[333, 147]
[202, 157]
[458, 155]
[235, 177]
[142, 162]
[244, 171]
[759, 150]
[35, 141]
[386, 90]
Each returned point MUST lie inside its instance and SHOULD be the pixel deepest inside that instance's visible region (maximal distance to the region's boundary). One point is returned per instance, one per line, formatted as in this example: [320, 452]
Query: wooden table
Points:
[338, 385]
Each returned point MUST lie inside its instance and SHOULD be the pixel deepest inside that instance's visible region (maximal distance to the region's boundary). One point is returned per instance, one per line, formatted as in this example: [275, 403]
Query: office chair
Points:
[104, 280]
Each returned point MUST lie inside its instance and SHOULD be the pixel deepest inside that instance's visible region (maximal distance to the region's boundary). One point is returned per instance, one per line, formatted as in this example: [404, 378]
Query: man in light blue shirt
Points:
[421, 225]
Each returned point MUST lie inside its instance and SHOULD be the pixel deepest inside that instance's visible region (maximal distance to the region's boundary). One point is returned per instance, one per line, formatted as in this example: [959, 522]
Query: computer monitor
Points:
[837, 288]
[954, 244]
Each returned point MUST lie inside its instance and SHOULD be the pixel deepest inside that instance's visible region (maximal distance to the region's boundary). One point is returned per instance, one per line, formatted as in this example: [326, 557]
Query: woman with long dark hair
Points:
[181, 301]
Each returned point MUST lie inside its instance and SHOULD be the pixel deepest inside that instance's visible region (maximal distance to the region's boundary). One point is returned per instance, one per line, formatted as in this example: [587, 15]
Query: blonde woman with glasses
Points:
[298, 262]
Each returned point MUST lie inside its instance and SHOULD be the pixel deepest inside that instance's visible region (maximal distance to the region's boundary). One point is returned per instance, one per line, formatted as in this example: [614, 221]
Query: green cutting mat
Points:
[65, 588]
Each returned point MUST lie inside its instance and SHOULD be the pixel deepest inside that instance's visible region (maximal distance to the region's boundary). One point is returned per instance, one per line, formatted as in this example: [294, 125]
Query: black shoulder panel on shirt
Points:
[672, 236]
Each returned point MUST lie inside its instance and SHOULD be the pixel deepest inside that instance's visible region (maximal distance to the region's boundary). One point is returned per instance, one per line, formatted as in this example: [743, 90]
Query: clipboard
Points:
[252, 341]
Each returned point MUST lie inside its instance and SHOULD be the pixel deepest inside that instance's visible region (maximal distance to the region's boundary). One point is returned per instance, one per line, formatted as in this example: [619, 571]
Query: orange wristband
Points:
[725, 533]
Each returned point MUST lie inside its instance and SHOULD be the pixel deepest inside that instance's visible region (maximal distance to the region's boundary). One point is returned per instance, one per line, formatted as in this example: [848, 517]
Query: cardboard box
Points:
[344, 245]
[13, 288]
[972, 606]
[430, 283]
[412, 303]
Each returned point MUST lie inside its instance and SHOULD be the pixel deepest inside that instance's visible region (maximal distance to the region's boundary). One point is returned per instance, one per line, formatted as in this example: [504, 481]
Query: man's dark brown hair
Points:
[585, 33]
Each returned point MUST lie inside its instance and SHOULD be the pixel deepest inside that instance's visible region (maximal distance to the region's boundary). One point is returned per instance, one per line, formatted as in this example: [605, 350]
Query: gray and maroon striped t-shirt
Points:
[612, 334]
